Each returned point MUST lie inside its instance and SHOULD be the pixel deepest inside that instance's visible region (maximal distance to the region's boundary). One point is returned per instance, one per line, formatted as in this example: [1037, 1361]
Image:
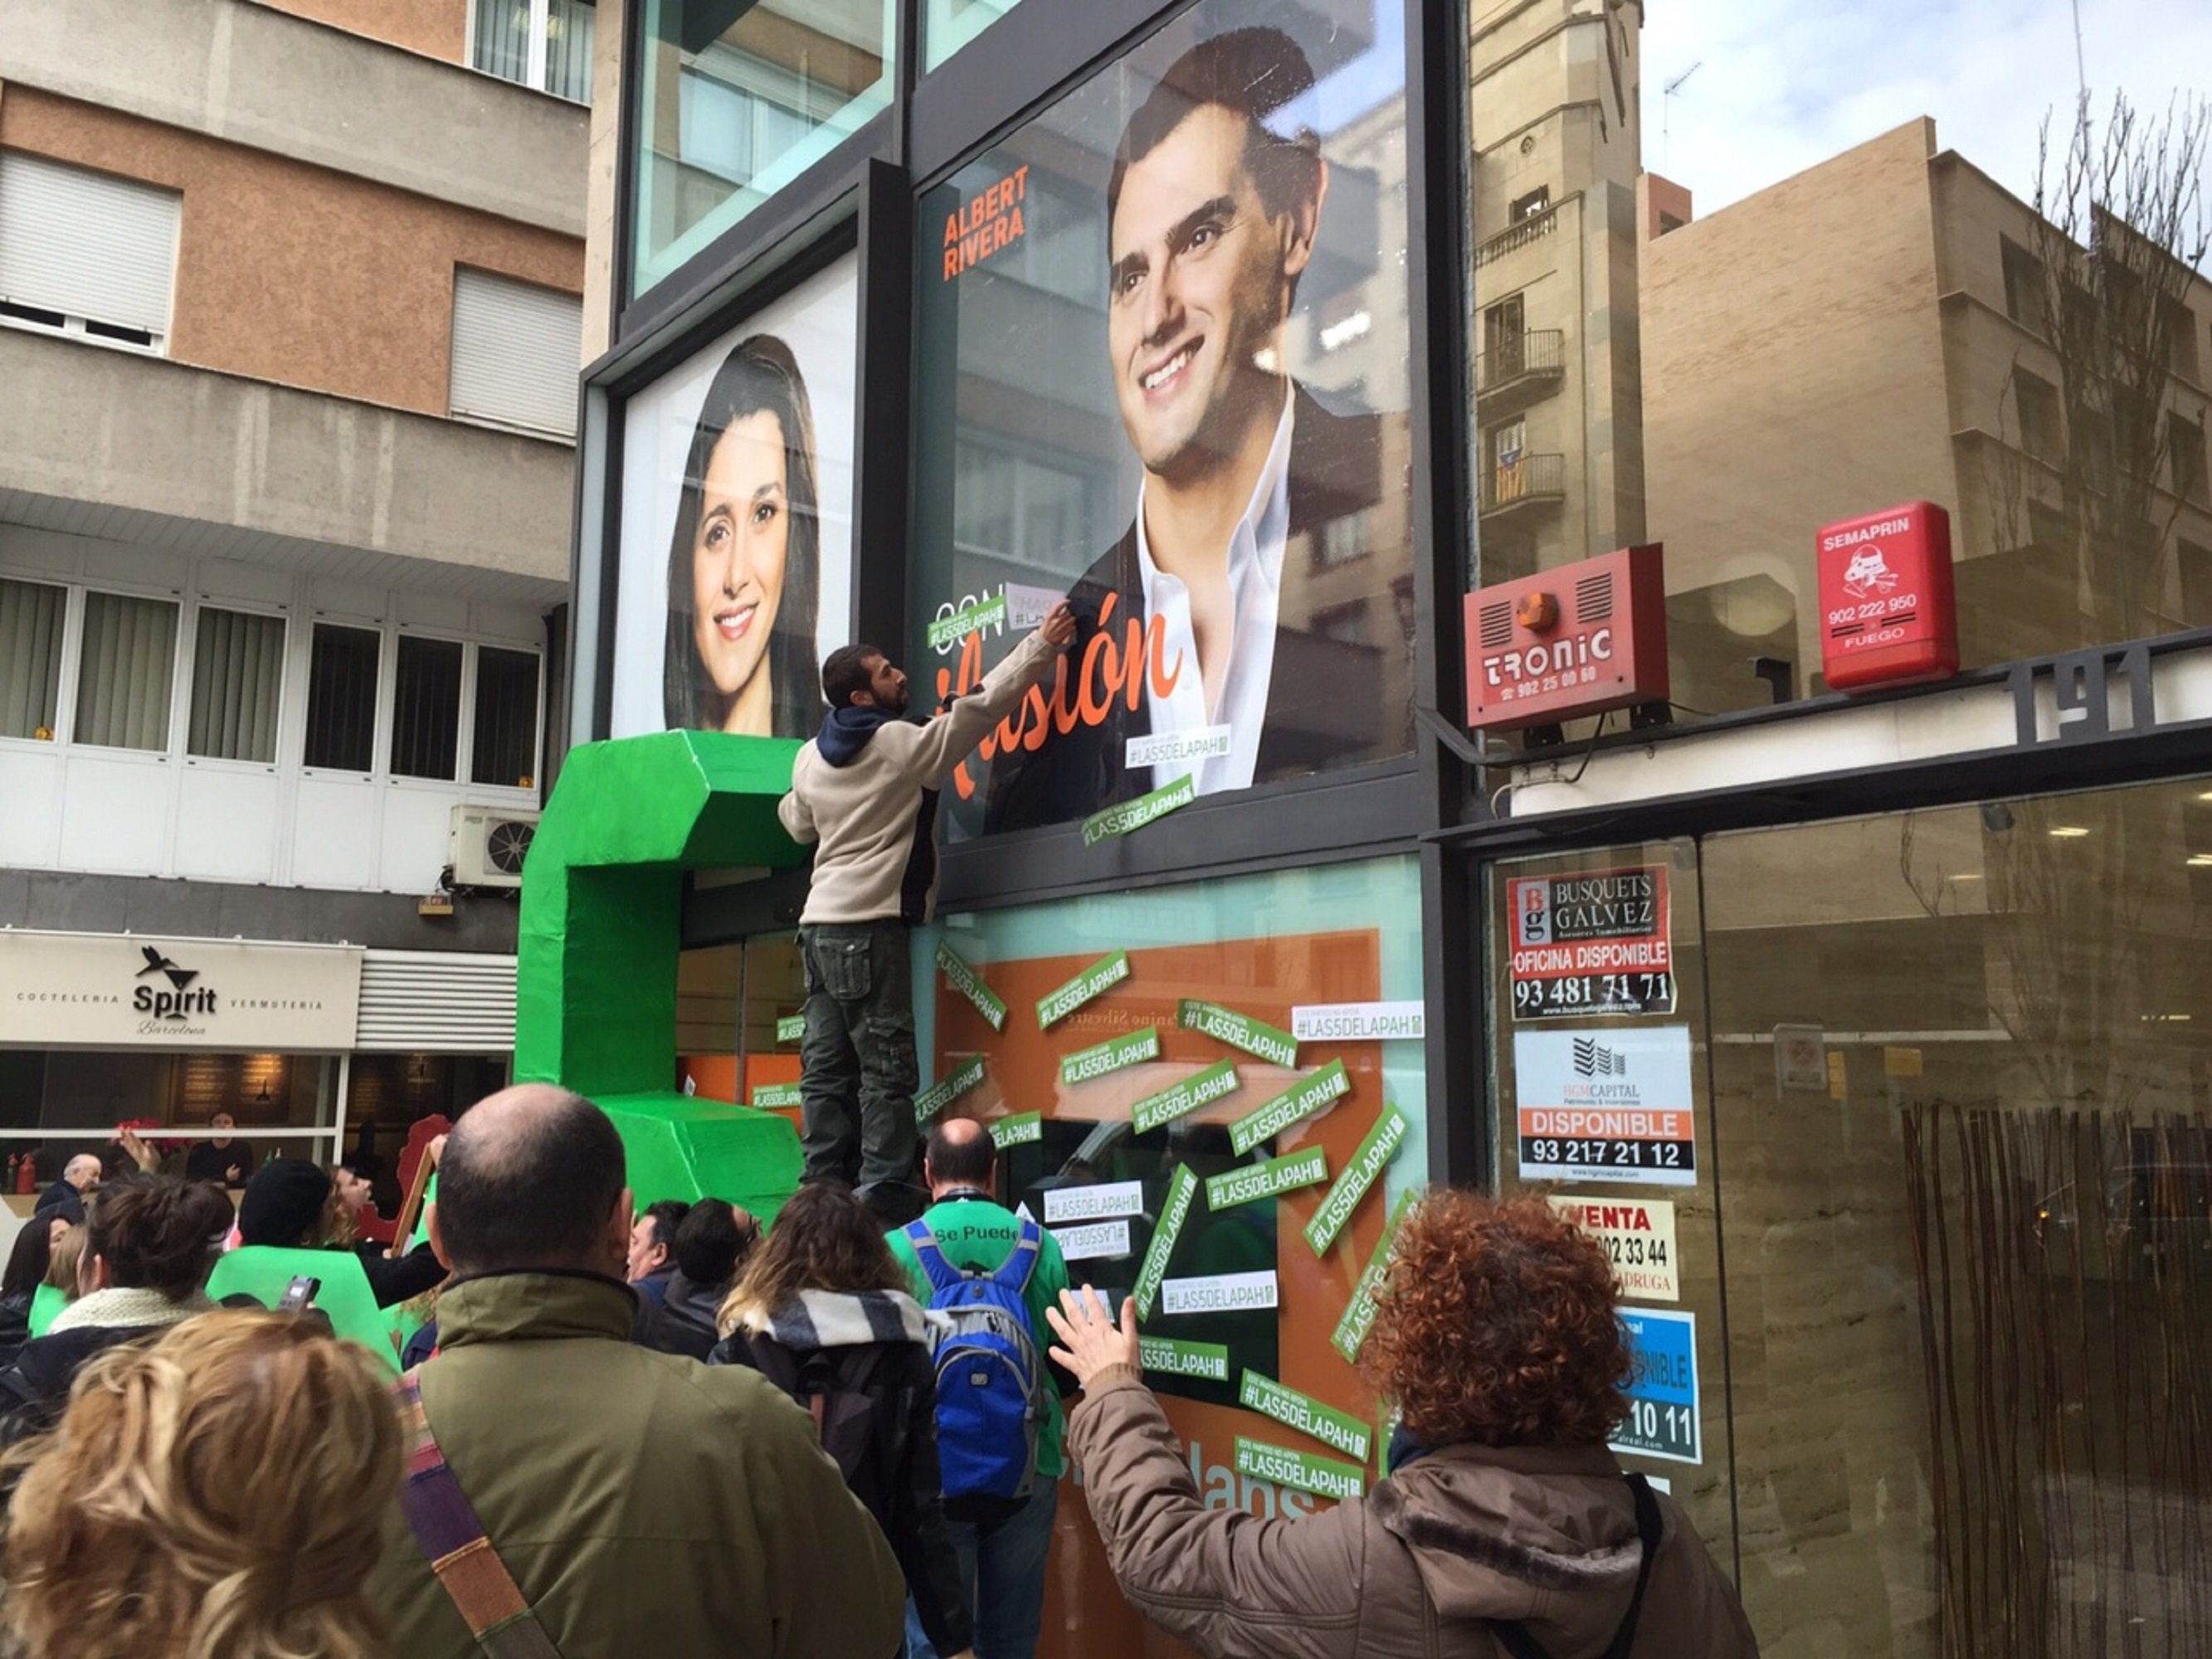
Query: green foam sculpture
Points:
[602, 915]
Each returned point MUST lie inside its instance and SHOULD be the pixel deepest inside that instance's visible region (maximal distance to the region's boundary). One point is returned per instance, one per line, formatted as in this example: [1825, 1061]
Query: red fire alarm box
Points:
[1888, 617]
[1576, 641]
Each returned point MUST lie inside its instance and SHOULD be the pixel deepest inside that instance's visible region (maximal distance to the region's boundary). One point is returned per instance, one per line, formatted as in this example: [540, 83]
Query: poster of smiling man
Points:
[1165, 373]
[737, 531]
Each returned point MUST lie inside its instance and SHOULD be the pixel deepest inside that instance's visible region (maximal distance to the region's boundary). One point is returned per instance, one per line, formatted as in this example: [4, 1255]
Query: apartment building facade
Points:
[290, 323]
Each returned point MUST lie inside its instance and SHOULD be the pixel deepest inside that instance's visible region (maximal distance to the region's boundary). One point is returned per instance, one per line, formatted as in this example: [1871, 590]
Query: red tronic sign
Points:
[1576, 641]
[1886, 613]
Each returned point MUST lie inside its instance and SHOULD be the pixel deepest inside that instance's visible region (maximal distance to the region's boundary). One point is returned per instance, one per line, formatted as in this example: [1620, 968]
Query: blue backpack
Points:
[990, 1381]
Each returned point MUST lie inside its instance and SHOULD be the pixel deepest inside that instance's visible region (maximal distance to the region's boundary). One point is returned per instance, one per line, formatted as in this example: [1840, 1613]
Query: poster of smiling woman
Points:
[1165, 372]
[737, 527]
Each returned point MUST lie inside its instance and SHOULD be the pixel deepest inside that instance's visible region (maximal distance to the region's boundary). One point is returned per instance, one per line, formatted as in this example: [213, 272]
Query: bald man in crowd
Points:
[80, 1176]
[1002, 1553]
[635, 1501]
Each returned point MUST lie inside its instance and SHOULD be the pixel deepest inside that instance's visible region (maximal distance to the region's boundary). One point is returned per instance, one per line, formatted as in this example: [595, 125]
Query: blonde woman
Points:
[218, 1494]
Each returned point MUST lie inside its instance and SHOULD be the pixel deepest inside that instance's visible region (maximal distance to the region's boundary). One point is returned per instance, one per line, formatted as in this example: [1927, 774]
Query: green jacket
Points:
[645, 1503]
[973, 1232]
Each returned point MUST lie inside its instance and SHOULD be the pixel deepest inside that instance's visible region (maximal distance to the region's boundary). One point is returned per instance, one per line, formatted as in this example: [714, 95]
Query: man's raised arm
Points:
[946, 740]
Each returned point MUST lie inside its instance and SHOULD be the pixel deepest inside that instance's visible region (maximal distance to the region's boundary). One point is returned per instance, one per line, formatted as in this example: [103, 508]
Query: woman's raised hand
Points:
[1090, 1340]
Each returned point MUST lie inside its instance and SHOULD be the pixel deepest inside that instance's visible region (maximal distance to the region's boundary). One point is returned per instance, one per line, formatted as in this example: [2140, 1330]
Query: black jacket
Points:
[34, 1390]
[15, 1324]
[399, 1279]
[1320, 713]
[684, 1322]
[64, 1197]
[907, 1501]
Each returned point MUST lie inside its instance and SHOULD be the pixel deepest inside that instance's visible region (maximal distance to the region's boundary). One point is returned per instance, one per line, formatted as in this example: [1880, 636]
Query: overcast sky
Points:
[1783, 84]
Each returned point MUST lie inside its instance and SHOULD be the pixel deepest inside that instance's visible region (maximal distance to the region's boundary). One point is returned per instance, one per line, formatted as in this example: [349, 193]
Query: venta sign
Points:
[100, 990]
[1577, 640]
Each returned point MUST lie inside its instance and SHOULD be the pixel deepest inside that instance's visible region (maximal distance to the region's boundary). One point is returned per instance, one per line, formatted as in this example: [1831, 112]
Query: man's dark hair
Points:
[710, 1244]
[1251, 72]
[666, 1215]
[534, 1190]
[844, 671]
[955, 1155]
[158, 1234]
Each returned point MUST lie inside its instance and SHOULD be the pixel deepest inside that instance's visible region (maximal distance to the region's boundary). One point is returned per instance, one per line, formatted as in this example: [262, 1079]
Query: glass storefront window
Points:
[1239, 1287]
[949, 25]
[736, 101]
[1164, 371]
[1736, 284]
[736, 1009]
[1941, 1085]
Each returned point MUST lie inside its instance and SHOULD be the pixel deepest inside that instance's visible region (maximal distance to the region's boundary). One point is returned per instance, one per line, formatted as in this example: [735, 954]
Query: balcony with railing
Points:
[1520, 370]
[1527, 485]
[1518, 235]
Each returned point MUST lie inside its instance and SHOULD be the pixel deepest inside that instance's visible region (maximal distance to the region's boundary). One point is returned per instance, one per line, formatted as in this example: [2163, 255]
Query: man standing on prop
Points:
[1213, 209]
[865, 789]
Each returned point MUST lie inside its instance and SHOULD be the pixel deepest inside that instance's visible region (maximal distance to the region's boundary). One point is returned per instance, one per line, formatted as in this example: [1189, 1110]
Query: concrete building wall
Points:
[263, 78]
[601, 189]
[1793, 372]
[123, 430]
[437, 28]
[291, 273]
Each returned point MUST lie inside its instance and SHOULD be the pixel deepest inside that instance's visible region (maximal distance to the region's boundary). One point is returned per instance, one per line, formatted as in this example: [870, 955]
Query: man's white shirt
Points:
[1255, 586]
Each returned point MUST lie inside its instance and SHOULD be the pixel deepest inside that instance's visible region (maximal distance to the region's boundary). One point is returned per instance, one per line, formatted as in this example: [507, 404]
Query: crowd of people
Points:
[670, 1430]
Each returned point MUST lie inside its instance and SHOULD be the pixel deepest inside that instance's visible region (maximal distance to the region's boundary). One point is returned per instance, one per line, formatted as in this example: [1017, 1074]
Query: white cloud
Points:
[1784, 84]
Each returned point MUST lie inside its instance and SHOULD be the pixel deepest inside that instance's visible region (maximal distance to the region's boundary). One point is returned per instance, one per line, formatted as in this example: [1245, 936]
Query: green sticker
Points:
[1093, 980]
[1308, 1095]
[980, 615]
[1182, 1186]
[1132, 815]
[1368, 1159]
[777, 1094]
[1277, 1174]
[1359, 1312]
[1324, 1476]
[966, 980]
[1338, 1430]
[1018, 1131]
[934, 1099]
[791, 1030]
[1208, 1361]
[1254, 1037]
[1199, 1089]
[1111, 1056]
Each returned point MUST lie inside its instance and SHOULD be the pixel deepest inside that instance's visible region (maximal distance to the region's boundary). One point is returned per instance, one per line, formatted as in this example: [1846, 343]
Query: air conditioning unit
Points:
[488, 846]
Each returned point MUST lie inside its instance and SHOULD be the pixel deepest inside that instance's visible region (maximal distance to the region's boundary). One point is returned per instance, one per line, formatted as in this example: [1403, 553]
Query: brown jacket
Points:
[1465, 1534]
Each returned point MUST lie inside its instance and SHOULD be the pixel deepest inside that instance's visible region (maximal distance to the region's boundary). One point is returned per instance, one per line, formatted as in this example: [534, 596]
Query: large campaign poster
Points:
[736, 570]
[1164, 371]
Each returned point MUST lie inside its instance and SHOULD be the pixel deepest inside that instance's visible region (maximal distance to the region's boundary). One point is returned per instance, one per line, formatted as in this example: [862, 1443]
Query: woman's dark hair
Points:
[712, 1244]
[1496, 1326]
[824, 1239]
[157, 1234]
[28, 1260]
[760, 376]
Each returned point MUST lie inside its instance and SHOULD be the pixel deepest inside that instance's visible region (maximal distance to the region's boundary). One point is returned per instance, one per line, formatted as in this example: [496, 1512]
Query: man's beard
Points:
[904, 698]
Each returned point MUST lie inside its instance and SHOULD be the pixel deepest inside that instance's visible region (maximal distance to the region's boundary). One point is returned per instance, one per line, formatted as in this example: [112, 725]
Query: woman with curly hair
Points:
[1505, 1527]
[218, 1494]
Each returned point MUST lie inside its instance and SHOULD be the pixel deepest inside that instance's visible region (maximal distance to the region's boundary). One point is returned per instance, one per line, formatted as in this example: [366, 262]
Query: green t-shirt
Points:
[973, 1232]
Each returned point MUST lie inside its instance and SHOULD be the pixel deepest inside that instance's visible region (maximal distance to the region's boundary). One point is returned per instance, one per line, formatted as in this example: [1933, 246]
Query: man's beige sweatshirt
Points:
[863, 814]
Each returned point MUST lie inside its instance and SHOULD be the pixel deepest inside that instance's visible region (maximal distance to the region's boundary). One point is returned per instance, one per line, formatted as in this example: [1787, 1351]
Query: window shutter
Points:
[518, 351]
[87, 244]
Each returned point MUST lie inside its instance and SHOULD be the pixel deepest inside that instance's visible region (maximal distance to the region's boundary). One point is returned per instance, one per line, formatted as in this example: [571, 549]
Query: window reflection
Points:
[736, 100]
[1726, 296]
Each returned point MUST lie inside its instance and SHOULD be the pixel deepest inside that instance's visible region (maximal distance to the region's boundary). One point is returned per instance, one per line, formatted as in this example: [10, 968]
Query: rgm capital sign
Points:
[105, 990]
